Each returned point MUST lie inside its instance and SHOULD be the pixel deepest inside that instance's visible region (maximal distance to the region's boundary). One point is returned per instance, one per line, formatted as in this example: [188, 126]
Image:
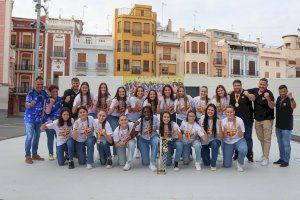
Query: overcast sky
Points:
[267, 19]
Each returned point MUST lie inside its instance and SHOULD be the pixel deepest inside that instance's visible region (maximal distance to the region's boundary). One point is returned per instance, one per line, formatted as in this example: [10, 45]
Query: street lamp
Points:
[38, 7]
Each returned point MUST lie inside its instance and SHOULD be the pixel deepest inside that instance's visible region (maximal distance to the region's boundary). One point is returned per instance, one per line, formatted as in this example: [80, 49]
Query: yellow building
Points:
[135, 41]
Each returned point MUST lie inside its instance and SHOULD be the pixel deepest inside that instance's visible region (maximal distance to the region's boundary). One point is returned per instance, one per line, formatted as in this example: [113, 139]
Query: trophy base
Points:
[162, 172]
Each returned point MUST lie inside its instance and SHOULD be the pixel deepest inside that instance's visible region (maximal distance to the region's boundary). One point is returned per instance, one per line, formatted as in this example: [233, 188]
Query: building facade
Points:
[195, 53]
[168, 47]
[243, 59]
[135, 41]
[60, 35]
[92, 55]
[23, 43]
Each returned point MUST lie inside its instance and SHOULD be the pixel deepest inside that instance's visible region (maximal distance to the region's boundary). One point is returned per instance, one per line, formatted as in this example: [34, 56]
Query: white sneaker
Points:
[213, 168]
[51, 157]
[89, 166]
[127, 166]
[265, 162]
[239, 167]
[152, 167]
[138, 154]
[198, 166]
[261, 159]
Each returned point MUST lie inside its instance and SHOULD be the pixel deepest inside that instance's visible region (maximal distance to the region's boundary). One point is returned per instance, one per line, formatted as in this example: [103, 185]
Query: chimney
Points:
[257, 40]
[169, 26]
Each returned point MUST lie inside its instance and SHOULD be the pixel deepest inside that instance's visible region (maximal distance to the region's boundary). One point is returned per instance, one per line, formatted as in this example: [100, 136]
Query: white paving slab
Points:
[46, 180]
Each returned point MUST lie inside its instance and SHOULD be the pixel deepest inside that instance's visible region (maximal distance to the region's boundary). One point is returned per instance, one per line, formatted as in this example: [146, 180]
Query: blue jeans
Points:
[172, 145]
[85, 151]
[248, 138]
[32, 138]
[50, 139]
[65, 151]
[121, 152]
[187, 149]
[284, 144]
[113, 121]
[104, 151]
[205, 153]
[228, 149]
[145, 149]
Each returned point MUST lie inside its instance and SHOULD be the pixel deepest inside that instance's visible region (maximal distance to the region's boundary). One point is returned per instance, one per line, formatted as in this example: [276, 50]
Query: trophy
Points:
[163, 153]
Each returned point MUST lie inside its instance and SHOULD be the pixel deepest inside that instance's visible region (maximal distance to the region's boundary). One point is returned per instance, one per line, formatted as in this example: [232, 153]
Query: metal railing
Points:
[220, 62]
[136, 70]
[81, 66]
[58, 54]
[26, 45]
[25, 67]
[167, 57]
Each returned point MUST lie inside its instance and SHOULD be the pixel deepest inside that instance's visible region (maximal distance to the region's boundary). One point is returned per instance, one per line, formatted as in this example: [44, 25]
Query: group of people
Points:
[124, 126]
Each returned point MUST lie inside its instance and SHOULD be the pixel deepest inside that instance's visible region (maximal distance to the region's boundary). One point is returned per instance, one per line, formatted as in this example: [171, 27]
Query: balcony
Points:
[136, 70]
[102, 67]
[26, 45]
[136, 51]
[24, 68]
[136, 33]
[167, 57]
[237, 73]
[219, 62]
[252, 73]
[81, 66]
[58, 54]
[13, 42]
[21, 90]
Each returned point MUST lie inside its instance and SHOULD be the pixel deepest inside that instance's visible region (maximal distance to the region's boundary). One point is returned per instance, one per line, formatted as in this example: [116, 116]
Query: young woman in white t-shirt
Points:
[124, 138]
[200, 102]
[167, 102]
[152, 101]
[103, 134]
[221, 101]
[170, 131]
[135, 104]
[83, 130]
[211, 127]
[233, 130]
[64, 142]
[192, 133]
[102, 100]
[183, 104]
[84, 99]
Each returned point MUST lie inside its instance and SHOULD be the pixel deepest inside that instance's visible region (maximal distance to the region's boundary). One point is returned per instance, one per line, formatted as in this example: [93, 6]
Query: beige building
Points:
[168, 52]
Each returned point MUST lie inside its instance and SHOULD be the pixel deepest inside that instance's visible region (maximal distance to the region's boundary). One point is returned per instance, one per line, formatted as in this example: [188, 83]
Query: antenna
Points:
[162, 12]
[107, 18]
[195, 13]
[83, 9]
[60, 11]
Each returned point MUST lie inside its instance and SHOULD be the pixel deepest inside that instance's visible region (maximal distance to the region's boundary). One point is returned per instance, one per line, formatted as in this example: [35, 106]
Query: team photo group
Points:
[161, 129]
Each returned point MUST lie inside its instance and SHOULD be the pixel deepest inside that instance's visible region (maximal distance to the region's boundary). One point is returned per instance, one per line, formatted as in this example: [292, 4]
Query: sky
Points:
[266, 19]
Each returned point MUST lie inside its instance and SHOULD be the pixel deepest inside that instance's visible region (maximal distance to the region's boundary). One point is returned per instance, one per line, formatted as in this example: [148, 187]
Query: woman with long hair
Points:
[135, 104]
[183, 104]
[152, 101]
[221, 101]
[167, 102]
[102, 100]
[84, 99]
[200, 102]
[211, 127]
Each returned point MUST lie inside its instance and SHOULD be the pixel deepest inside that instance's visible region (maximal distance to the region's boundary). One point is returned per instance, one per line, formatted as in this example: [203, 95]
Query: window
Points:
[277, 75]
[24, 86]
[126, 66]
[194, 47]
[146, 66]
[142, 12]
[236, 67]
[277, 64]
[167, 53]
[41, 40]
[27, 42]
[126, 27]
[194, 68]
[297, 74]
[251, 68]
[102, 60]
[219, 58]
[118, 65]
[202, 48]
[88, 40]
[136, 48]
[119, 27]
[267, 63]
[136, 67]
[187, 68]
[153, 29]
[267, 75]
[137, 29]
[126, 46]
[58, 49]
[152, 48]
[152, 64]
[219, 72]
[146, 47]
[13, 40]
[288, 45]
[146, 28]
[81, 60]
[119, 46]
[202, 68]
[188, 47]
[165, 70]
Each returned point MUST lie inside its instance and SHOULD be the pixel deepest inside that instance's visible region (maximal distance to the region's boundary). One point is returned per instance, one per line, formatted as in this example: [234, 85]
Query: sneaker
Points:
[261, 159]
[213, 168]
[109, 163]
[152, 167]
[89, 166]
[198, 166]
[71, 164]
[250, 159]
[28, 160]
[37, 157]
[176, 168]
[127, 166]
[284, 164]
[278, 162]
[265, 162]
[138, 154]
[51, 157]
[239, 167]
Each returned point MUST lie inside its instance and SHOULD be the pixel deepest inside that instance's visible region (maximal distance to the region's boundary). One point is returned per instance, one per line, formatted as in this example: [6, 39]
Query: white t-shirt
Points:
[174, 130]
[98, 129]
[133, 102]
[105, 104]
[199, 105]
[211, 136]
[122, 107]
[60, 140]
[83, 126]
[167, 105]
[231, 129]
[121, 133]
[224, 103]
[77, 101]
[182, 107]
[147, 130]
[191, 131]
